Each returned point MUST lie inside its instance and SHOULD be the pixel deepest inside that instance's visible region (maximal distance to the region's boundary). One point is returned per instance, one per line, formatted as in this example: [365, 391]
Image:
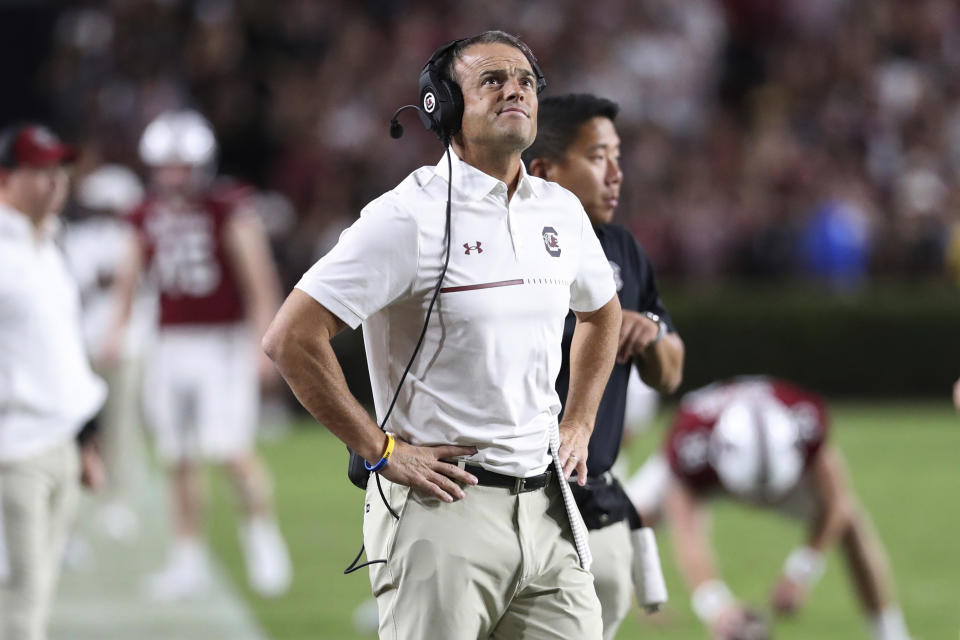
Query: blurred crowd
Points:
[810, 138]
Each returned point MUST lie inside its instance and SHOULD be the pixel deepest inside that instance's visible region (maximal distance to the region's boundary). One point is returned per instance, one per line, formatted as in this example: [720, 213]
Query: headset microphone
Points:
[396, 129]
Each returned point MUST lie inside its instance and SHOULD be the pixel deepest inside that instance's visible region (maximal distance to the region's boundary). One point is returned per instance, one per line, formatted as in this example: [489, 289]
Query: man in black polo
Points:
[578, 147]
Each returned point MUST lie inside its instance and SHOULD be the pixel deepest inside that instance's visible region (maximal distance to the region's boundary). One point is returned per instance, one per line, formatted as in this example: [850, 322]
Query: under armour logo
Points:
[469, 247]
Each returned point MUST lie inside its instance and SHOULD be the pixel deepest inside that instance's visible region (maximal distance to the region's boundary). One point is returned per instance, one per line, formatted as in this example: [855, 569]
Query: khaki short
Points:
[493, 565]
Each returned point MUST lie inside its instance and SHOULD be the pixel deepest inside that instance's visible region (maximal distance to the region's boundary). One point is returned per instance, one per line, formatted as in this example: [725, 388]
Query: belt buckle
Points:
[519, 486]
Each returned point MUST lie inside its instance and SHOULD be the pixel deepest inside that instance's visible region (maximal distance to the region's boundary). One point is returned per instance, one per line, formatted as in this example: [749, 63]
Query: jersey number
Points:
[187, 266]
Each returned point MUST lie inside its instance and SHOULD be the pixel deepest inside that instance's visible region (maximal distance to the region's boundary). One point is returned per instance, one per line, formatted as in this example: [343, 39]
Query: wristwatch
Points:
[650, 315]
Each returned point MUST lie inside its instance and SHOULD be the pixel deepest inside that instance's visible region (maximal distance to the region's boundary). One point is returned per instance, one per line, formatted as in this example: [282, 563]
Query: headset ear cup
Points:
[441, 105]
[441, 101]
[428, 106]
[453, 110]
[433, 101]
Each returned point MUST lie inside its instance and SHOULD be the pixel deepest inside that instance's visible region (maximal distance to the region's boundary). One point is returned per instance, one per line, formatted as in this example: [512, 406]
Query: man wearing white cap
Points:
[763, 442]
[48, 392]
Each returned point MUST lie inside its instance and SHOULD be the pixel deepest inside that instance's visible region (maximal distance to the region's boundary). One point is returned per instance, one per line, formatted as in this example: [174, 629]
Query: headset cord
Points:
[423, 332]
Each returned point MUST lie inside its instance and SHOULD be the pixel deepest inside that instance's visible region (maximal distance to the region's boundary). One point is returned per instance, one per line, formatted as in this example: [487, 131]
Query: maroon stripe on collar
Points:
[485, 285]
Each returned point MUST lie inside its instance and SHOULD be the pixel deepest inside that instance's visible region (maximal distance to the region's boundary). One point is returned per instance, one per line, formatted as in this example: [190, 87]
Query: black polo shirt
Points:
[637, 290]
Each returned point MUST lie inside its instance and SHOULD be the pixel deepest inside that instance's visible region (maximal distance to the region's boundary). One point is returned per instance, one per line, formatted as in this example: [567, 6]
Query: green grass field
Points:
[905, 462]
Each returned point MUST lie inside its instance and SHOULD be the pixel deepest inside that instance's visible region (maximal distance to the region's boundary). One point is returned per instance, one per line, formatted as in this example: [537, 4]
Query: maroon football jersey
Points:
[687, 445]
[185, 248]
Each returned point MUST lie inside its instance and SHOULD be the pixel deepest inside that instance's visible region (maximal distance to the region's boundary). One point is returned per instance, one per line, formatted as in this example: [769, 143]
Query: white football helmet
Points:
[111, 187]
[178, 138]
[755, 448]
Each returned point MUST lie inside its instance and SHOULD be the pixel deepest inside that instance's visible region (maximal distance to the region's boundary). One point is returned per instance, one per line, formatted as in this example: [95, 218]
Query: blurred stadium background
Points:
[791, 167]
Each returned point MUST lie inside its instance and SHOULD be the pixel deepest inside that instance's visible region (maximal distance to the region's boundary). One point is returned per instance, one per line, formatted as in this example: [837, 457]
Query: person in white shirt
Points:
[47, 389]
[95, 239]
[488, 543]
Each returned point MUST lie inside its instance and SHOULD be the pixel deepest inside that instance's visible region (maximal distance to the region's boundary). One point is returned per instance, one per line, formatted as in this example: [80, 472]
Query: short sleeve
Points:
[649, 293]
[373, 264]
[593, 285]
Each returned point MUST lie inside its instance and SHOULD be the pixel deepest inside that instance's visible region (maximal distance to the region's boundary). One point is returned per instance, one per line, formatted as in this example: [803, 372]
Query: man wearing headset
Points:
[578, 147]
[487, 543]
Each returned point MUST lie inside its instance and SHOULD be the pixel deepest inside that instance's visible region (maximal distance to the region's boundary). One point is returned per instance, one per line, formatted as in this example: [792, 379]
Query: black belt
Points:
[516, 485]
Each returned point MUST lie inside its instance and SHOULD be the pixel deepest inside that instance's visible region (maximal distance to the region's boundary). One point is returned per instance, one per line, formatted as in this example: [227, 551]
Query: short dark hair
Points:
[487, 37]
[559, 121]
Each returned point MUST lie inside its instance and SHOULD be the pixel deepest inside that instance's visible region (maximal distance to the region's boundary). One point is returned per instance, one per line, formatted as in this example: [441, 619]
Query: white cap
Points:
[111, 187]
[180, 138]
[755, 448]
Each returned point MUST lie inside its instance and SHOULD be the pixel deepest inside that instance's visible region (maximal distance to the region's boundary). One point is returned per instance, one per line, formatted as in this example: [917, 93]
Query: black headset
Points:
[441, 100]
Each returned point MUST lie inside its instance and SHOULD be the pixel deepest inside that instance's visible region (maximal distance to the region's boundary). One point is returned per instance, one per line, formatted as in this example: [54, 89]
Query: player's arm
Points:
[250, 255]
[252, 261]
[298, 342]
[592, 352]
[833, 488]
[124, 289]
[805, 565]
[689, 523]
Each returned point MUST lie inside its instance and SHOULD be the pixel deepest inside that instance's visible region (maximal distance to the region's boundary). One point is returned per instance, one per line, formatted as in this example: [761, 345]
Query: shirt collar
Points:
[15, 224]
[476, 184]
[527, 187]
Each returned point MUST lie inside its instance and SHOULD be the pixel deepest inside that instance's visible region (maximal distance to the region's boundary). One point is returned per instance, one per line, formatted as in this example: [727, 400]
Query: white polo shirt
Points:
[486, 372]
[47, 389]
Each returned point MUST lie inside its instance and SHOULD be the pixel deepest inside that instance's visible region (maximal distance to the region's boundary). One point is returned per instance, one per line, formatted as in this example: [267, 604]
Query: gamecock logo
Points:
[551, 241]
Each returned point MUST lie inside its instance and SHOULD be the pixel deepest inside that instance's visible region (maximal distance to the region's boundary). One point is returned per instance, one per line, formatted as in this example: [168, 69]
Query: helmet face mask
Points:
[181, 149]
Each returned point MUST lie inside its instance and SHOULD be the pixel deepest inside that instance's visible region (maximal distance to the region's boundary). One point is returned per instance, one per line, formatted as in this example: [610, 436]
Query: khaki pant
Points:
[493, 565]
[38, 498]
[612, 562]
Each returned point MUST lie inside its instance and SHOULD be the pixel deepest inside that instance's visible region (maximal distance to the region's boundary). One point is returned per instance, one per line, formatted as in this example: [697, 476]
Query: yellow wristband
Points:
[391, 444]
[385, 458]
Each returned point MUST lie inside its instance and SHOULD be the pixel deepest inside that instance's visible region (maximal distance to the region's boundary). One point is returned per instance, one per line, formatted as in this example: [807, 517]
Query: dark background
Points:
[790, 167]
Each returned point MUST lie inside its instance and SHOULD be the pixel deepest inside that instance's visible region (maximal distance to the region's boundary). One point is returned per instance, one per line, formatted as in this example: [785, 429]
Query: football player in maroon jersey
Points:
[201, 242]
[763, 442]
